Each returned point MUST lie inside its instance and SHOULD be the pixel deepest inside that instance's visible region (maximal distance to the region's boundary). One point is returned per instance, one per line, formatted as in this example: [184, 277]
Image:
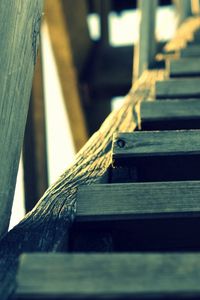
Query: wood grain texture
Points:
[168, 110]
[178, 88]
[129, 201]
[184, 67]
[19, 31]
[46, 227]
[156, 143]
[105, 276]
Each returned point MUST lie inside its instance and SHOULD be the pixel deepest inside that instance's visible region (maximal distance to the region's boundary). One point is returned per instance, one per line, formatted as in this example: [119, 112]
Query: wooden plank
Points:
[121, 276]
[170, 114]
[35, 148]
[178, 88]
[157, 155]
[126, 201]
[156, 143]
[184, 67]
[170, 109]
[146, 48]
[19, 31]
[190, 51]
[63, 50]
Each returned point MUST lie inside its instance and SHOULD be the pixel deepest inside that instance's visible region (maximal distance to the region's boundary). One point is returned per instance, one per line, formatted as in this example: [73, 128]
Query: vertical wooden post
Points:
[104, 10]
[19, 31]
[78, 32]
[63, 48]
[146, 49]
[34, 149]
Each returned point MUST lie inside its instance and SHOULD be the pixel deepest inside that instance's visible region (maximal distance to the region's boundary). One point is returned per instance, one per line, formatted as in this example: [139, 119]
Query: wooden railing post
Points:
[146, 48]
[19, 31]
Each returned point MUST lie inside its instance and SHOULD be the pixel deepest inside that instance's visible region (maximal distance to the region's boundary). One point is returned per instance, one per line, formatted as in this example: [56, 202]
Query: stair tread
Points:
[138, 201]
[156, 143]
[178, 87]
[81, 276]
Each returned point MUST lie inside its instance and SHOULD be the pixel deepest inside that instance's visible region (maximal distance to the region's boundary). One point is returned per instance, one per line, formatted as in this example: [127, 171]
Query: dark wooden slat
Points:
[157, 155]
[170, 114]
[138, 201]
[190, 51]
[178, 88]
[103, 276]
[156, 143]
[184, 67]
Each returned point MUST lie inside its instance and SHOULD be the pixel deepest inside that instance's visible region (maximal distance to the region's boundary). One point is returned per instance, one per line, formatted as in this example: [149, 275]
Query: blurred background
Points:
[84, 68]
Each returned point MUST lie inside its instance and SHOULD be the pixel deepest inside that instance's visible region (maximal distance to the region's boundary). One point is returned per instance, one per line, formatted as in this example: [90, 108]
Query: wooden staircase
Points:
[144, 212]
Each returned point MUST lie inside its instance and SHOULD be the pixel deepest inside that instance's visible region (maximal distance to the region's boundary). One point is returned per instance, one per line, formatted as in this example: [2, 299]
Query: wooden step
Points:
[170, 114]
[158, 155]
[190, 51]
[162, 216]
[104, 276]
[126, 201]
[178, 88]
[184, 67]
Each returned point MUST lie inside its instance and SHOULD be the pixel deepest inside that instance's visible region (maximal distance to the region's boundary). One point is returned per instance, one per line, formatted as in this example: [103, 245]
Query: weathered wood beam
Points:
[19, 31]
[63, 50]
[121, 276]
[145, 51]
[35, 148]
[46, 227]
[156, 143]
[132, 201]
[172, 155]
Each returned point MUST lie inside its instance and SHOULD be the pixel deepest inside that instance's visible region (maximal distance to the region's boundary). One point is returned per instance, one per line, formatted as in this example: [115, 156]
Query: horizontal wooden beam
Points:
[170, 114]
[168, 110]
[105, 276]
[156, 143]
[178, 88]
[157, 155]
[184, 67]
[129, 201]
